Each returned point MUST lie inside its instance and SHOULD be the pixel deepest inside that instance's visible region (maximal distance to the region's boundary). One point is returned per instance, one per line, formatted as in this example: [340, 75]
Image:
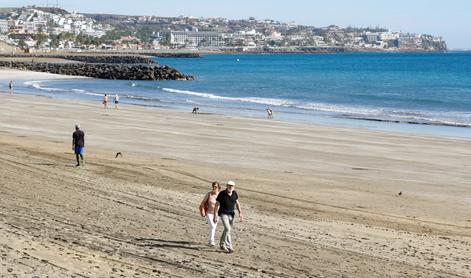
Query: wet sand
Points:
[319, 201]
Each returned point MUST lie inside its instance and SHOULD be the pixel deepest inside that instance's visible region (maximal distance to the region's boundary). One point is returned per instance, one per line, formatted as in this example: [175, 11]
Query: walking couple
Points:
[221, 205]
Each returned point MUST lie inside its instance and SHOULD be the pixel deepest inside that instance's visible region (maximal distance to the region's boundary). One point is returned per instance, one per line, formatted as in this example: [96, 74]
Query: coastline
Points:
[343, 217]
[441, 129]
[196, 53]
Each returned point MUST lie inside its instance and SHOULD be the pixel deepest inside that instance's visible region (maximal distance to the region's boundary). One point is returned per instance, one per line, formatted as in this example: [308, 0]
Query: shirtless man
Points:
[105, 101]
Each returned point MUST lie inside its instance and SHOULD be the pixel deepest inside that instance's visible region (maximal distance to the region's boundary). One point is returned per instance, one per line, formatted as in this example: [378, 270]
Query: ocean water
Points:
[410, 92]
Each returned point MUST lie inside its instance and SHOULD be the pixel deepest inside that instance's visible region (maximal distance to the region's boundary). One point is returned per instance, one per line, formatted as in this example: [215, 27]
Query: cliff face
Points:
[439, 46]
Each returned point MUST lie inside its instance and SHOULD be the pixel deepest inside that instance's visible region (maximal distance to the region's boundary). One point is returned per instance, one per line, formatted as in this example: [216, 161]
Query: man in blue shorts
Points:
[78, 143]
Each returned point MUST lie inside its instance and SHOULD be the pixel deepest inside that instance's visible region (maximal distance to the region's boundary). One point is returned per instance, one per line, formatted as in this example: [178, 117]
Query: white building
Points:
[196, 39]
[252, 32]
[299, 37]
[276, 36]
[388, 36]
[410, 41]
[319, 41]
[30, 27]
[61, 21]
[4, 26]
[371, 38]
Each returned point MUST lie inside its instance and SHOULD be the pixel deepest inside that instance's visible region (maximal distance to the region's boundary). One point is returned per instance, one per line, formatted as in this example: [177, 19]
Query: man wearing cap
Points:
[78, 143]
[226, 202]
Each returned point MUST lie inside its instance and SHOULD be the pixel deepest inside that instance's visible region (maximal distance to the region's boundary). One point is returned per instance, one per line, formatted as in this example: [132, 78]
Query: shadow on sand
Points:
[160, 243]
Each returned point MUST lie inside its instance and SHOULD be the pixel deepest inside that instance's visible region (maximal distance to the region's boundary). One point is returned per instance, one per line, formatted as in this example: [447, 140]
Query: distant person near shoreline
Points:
[10, 87]
[207, 210]
[116, 102]
[196, 110]
[105, 101]
[78, 144]
[226, 202]
[270, 113]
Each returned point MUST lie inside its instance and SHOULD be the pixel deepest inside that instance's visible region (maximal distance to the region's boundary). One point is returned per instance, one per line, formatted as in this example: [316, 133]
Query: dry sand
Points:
[36, 60]
[319, 201]
[22, 75]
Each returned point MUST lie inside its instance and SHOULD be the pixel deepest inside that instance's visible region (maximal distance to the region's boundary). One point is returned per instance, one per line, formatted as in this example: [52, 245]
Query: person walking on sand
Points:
[78, 143]
[105, 101]
[10, 87]
[116, 102]
[207, 210]
[226, 202]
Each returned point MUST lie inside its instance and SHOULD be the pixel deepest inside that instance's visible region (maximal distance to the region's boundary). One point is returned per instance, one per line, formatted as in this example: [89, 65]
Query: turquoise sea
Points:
[422, 93]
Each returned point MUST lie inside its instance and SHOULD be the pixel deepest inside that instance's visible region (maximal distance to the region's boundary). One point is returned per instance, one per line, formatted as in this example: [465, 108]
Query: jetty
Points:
[102, 66]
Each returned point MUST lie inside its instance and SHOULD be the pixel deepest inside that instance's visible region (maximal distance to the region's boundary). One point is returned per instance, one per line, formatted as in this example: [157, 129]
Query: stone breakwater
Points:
[107, 59]
[103, 70]
[149, 53]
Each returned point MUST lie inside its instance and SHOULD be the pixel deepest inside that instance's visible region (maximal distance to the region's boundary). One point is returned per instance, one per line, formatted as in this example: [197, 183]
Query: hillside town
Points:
[45, 29]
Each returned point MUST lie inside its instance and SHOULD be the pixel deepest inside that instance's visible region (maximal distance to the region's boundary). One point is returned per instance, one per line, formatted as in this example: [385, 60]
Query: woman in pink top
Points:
[207, 208]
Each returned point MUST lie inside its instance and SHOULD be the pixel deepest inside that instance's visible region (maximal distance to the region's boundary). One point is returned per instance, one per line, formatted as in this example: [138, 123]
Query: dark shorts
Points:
[79, 150]
[116, 102]
[231, 213]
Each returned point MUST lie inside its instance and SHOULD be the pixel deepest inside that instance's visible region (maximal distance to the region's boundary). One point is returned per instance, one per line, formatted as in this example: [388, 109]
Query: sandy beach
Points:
[318, 201]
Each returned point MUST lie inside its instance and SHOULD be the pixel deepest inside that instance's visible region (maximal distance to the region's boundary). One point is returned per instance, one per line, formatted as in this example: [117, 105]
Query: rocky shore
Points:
[103, 70]
[124, 67]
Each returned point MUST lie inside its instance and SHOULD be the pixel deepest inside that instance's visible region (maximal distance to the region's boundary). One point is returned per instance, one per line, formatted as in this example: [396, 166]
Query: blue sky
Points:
[449, 19]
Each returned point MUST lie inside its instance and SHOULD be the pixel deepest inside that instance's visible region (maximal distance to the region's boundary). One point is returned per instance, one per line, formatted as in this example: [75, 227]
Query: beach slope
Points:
[319, 201]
